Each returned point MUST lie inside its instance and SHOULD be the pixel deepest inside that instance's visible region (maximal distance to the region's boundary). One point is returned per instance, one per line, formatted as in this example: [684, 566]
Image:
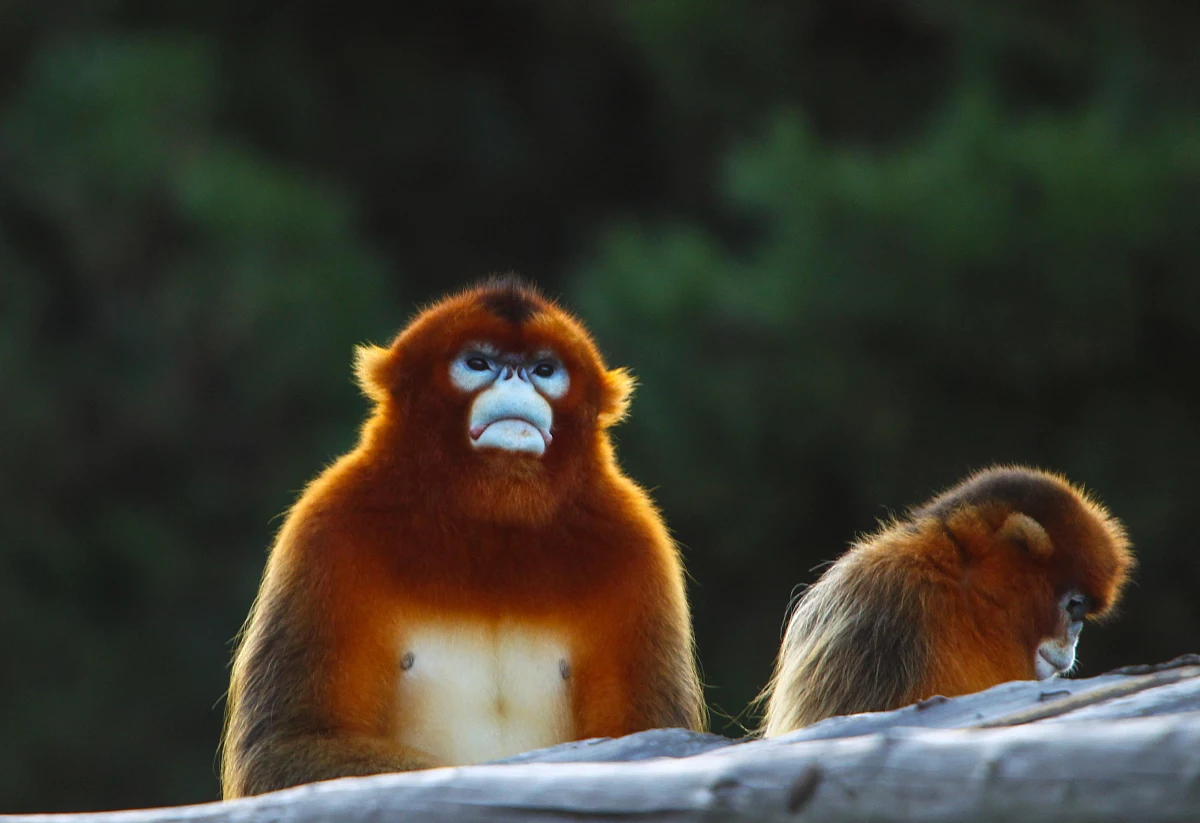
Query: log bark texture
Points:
[1122, 747]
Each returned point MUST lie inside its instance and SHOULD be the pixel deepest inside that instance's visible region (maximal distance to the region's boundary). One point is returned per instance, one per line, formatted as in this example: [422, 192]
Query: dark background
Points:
[853, 249]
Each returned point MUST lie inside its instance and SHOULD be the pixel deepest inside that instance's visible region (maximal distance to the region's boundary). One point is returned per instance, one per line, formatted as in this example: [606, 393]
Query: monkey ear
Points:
[1023, 531]
[370, 368]
[618, 389]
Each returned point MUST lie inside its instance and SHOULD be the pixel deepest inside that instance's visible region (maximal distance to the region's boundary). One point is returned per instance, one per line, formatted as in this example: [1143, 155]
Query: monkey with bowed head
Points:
[988, 582]
[476, 578]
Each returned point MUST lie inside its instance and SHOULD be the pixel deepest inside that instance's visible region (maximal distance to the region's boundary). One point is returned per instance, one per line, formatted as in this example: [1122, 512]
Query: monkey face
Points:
[511, 409]
[500, 397]
[1056, 655]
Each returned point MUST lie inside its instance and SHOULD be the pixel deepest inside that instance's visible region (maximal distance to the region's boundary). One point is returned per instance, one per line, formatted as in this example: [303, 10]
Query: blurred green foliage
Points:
[852, 250]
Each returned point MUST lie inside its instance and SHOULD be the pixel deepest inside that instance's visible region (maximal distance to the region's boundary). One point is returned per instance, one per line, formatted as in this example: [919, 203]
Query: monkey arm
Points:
[643, 672]
[281, 732]
[669, 695]
[287, 723]
[279, 762]
[639, 672]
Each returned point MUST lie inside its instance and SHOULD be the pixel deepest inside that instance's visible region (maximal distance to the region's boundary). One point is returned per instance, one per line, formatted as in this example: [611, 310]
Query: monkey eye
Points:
[477, 364]
[1077, 606]
[549, 375]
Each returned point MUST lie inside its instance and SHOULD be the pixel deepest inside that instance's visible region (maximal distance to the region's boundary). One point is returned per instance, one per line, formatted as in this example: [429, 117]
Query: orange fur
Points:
[414, 525]
[953, 599]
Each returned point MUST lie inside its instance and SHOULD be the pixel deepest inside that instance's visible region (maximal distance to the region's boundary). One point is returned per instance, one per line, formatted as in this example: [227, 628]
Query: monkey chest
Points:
[467, 694]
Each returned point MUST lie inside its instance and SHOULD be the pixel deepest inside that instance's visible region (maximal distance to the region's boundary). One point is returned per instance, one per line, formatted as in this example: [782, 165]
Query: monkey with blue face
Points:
[476, 577]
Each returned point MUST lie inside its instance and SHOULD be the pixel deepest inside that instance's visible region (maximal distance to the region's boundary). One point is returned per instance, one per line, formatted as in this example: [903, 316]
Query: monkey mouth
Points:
[1051, 662]
[517, 419]
[511, 434]
[477, 431]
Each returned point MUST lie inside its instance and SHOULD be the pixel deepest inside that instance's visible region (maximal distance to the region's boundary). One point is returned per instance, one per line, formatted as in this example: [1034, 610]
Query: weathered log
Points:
[1095, 757]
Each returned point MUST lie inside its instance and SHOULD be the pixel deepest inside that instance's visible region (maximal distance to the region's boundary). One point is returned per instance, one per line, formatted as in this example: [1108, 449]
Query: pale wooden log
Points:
[1145, 769]
[1123, 746]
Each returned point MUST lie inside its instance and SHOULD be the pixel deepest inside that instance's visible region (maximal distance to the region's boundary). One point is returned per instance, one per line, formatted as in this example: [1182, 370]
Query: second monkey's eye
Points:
[544, 370]
[477, 364]
[1078, 606]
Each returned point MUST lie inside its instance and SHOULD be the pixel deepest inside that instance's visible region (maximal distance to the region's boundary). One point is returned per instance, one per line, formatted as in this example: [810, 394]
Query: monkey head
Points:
[1044, 549]
[497, 398]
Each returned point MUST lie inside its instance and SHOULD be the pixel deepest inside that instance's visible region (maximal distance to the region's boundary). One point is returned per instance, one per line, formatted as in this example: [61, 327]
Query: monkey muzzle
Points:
[1057, 654]
[511, 415]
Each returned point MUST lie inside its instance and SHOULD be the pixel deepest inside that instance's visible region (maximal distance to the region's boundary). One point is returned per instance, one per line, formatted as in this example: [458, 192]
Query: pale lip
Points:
[477, 431]
[1047, 664]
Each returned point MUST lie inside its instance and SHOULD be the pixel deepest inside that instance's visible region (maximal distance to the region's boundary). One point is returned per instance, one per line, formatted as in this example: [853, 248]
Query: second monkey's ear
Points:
[372, 365]
[616, 394]
[1026, 533]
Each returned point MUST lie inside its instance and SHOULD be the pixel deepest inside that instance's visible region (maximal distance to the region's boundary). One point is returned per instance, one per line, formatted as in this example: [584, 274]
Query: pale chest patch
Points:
[475, 692]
